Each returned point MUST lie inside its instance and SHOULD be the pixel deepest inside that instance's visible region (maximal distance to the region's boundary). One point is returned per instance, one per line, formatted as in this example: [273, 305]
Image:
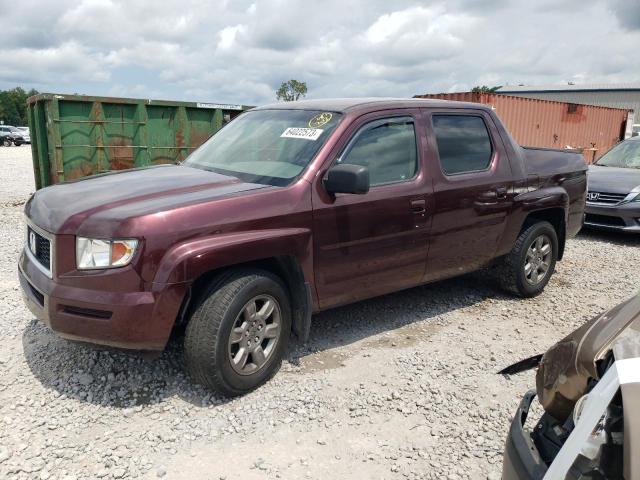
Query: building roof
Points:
[367, 104]
[594, 87]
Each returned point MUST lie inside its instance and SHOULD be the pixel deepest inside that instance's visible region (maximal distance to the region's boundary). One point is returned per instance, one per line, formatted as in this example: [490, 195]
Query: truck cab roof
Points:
[345, 105]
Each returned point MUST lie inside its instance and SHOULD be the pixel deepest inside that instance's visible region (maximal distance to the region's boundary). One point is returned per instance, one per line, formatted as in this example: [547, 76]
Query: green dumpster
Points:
[74, 136]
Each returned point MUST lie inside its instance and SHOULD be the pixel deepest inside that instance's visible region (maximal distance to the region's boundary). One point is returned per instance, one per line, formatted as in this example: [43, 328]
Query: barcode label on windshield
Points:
[304, 133]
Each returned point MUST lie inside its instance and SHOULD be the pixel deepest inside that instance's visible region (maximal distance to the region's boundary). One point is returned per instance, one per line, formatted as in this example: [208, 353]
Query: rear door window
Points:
[387, 148]
[463, 143]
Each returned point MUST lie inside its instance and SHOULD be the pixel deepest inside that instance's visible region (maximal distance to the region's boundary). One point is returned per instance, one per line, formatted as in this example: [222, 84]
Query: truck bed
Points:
[546, 162]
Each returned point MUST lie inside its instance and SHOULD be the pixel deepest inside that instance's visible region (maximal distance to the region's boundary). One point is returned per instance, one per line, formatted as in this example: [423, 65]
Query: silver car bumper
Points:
[624, 217]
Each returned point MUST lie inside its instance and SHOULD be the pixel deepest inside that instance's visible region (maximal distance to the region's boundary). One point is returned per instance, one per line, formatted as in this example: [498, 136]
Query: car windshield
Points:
[270, 147]
[14, 130]
[624, 155]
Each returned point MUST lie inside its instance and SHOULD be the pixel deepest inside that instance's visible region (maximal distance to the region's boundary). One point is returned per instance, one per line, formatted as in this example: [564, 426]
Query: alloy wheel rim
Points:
[538, 260]
[255, 334]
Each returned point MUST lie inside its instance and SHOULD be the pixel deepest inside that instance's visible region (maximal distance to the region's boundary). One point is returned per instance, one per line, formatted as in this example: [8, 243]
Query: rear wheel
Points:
[6, 142]
[526, 270]
[237, 336]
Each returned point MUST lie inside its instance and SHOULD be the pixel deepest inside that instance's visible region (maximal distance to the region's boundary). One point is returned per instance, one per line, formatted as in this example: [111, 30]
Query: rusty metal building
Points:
[543, 123]
[616, 95]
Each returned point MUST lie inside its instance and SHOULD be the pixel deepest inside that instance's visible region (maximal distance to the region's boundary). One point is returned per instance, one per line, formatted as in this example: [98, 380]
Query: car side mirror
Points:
[346, 178]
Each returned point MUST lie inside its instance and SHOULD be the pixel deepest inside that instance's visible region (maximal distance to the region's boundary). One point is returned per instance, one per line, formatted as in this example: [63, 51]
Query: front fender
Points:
[188, 260]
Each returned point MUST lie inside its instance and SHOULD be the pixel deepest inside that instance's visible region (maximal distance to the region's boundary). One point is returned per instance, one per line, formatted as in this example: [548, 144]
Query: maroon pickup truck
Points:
[291, 209]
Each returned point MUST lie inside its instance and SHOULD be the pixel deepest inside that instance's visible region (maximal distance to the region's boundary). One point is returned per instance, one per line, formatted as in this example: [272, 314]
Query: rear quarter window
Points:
[463, 143]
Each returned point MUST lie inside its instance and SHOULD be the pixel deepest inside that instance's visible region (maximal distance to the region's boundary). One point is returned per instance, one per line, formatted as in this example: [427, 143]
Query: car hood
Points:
[612, 179]
[566, 368]
[118, 196]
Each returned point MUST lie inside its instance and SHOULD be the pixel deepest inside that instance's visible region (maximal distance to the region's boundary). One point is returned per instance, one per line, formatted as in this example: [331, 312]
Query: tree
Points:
[291, 91]
[485, 89]
[13, 106]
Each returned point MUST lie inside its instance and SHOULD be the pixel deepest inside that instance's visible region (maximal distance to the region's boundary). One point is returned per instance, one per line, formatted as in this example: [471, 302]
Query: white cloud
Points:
[416, 35]
[65, 63]
[228, 36]
[418, 24]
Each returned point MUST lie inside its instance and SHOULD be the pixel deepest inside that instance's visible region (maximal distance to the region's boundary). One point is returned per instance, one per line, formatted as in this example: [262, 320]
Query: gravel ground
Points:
[402, 386]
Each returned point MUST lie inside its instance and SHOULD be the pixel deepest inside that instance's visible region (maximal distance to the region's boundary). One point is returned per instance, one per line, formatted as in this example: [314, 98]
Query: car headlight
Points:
[92, 253]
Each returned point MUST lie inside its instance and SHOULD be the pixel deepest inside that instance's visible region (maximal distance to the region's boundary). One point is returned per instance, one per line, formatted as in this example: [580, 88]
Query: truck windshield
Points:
[270, 147]
[624, 155]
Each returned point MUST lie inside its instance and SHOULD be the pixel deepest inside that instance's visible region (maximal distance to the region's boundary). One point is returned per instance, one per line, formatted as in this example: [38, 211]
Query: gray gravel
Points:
[16, 174]
[402, 386]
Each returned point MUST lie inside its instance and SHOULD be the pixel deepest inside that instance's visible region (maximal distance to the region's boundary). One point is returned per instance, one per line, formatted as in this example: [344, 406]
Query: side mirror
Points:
[346, 178]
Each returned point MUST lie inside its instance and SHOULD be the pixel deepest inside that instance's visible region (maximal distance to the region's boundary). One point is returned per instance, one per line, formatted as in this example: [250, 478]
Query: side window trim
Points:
[494, 150]
[377, 122]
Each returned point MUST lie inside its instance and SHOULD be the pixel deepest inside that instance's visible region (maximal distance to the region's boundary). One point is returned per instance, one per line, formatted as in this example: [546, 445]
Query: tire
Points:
[523, 271]
[224, 308]
[6, 142]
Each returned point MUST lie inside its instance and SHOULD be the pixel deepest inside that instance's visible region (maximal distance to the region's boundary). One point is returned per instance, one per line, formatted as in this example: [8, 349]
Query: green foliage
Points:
[291, 90]
[13, 106]
[485, 89]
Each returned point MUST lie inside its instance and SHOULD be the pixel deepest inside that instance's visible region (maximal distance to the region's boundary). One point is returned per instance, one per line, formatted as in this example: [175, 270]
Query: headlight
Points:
[93, 253]
[598, 437]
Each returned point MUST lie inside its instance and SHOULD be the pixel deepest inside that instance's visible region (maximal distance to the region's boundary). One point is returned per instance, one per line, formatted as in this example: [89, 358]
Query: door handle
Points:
[419, 207]
[488, 196]
[497, 193]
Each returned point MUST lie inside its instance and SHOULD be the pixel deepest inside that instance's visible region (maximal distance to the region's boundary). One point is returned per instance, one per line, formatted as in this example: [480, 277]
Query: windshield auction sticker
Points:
[320, 119]
[304, 133]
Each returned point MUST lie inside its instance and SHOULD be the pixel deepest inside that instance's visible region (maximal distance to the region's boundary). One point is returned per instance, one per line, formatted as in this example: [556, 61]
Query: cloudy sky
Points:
[240, 51]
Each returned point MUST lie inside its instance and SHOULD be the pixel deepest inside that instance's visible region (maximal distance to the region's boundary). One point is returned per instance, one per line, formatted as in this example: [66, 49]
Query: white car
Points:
[25, 134]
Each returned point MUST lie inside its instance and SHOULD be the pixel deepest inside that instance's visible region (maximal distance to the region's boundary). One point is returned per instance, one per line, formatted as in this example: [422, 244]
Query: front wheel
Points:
[526, 270]
[237, 336]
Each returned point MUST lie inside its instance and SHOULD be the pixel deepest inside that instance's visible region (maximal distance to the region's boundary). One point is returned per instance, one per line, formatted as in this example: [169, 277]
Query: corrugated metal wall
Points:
[616, 99]
[543, 123]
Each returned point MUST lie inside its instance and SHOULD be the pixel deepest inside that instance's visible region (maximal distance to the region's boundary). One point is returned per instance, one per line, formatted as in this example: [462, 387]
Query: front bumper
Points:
[137, 320]
[521, 458]
[624, 217]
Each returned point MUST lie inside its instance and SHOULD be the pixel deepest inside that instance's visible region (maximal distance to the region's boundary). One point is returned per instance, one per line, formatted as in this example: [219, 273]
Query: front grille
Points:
[605, 198]
[40, 247]
[604, 220]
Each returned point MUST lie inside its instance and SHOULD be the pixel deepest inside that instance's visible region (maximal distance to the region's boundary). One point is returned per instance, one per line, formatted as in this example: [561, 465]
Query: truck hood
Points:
[566, 368]
[612, 179]
[62, 208]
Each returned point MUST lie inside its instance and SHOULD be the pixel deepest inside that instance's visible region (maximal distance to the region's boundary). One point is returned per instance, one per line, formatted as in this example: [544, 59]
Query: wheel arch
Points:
[286, 267]
[556, 216]
[550, 204]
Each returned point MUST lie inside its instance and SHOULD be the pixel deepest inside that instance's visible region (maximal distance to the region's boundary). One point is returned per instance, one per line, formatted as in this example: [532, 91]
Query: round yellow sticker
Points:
[320, 119]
